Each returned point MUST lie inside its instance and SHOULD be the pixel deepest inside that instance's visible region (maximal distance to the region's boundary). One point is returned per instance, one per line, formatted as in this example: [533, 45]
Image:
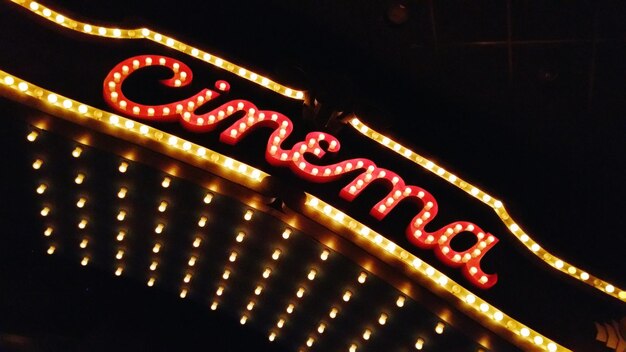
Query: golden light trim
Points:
[162, 39]
[466, 298]
[118, 124]
[497, 206]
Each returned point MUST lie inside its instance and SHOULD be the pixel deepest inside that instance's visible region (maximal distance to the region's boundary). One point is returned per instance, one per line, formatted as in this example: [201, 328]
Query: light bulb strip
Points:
[82, 111]
[167, 41]
[385, 247]
[499, 208]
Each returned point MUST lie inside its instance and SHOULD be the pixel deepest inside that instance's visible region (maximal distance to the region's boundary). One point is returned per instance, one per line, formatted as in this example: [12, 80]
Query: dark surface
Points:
[524, 98]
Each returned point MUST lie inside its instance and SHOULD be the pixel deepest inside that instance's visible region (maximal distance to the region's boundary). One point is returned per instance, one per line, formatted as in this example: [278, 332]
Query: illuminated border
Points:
[497, 206]
[145, 33]
[79, 112]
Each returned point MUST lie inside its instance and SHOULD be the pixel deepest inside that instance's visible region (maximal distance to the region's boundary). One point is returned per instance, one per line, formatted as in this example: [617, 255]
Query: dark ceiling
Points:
[526, 98]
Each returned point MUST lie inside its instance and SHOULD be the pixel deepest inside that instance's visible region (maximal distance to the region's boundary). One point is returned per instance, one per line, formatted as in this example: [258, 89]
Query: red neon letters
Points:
[184, 111]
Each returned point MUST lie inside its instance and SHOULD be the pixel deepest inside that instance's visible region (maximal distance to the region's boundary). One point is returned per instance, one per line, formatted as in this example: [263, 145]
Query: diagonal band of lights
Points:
[499, 208]
[119, 127]
[159, 38]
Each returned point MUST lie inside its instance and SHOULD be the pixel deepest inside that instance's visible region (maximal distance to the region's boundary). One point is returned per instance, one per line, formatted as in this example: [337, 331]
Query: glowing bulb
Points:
[162, 206]
[45, 211]
[352, 348]
[51, 250]
[153, 266]
[192, 261]
[419, 344]
[400, 301]
[214, 305]
[333, 313]
[250, 305]
[207, 198]
[267, 272]
[240, 236]
[382, 319]
[366, 334]
[258, 290]
[248, 215]
[166, 182]
[324, 255]
[183, 293]
[286, 233]
[151, 282]
[346, 296]
[81, 202]
[362, 278]
[439, 328]
[276, 254]
[79, 179]
[83, 243]
[232, 257]
[220, 291]
[202, 221]
[197, 242]
[48, 232]
[119, 255]
[122, 193]
[312, 274]
[119, 271]
[77, 151]
[300, 292]
[121, 215]
[290, 308]
[32, 136]
[82, 224]
[272, 336]
[85, 261]
[243, 320]
[156, 248]
[226, 274]
[41, 189]
[37, 164]
[159, 228]
[123, 167]
[321, 328]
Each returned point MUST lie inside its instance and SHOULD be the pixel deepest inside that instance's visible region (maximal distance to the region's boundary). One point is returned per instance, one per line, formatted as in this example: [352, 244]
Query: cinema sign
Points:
[294, 158]
[210, 112]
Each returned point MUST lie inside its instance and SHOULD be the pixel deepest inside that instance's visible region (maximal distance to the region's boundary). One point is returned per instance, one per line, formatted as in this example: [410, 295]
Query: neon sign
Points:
[294, 158]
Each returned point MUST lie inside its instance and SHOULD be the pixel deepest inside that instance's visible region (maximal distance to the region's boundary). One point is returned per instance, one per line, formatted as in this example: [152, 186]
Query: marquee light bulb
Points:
[439, 328]
[248, 215]
[286, 233]
[382, 319]
[51, 250]
[41, 189]
[324, 255]
[276, 254]
[162, 206]
[122, 193]
[312, 274]
[166, 182]
[31, 137]
[208, 198]
[419, 344]
[123, 167]
[81, 202]
[321, 328]
[400, 301]
[76, 152]
[37, 164]
[362, 277]
[240, 236]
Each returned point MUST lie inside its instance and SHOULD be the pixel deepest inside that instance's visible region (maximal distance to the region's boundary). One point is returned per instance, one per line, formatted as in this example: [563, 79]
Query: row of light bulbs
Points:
[497, 206]
[161, 39]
